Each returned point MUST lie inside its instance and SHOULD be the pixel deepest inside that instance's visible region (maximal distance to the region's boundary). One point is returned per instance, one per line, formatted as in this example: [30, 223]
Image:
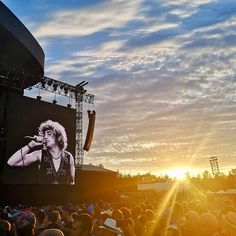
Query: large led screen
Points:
[40, 142]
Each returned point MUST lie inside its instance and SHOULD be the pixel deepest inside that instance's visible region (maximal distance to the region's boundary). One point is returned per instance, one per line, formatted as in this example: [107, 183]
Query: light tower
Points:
[214, 165]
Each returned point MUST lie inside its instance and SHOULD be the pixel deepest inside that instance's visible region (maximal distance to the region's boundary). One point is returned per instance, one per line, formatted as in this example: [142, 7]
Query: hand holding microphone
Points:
[35, 140]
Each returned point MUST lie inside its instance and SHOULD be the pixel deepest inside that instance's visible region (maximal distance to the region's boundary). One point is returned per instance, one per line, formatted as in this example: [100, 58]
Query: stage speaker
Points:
[90, 131]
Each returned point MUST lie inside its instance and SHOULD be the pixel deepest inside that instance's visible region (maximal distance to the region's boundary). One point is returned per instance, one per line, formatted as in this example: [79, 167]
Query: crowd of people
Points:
[217, 217]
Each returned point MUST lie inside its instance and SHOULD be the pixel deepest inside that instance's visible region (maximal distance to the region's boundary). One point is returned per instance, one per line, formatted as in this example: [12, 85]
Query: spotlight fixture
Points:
[49, 82]
[66, 90]
[69, 105]
[43, 83]
[55, 87]
[54, 101]
[38, 97]
[62, 86]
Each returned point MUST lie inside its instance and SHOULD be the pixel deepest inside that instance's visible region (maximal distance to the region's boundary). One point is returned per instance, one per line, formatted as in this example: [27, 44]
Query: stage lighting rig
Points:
[64, 89]
[77, 93]
[12, 81]
[55, 87]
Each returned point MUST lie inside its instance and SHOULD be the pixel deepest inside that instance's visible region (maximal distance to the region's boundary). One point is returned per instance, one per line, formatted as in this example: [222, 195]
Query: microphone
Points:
[37, 139]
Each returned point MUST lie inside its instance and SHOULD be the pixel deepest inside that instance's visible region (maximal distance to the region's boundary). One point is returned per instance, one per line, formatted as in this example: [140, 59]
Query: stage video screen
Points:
[40, 142]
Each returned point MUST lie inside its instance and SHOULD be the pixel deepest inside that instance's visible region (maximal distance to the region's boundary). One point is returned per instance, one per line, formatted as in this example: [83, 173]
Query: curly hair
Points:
[57, 129]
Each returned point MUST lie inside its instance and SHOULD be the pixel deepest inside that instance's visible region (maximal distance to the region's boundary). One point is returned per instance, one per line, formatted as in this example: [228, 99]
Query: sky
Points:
[163, 75]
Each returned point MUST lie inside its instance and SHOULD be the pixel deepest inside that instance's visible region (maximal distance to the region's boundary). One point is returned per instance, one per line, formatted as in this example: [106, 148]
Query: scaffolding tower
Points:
[214, 165]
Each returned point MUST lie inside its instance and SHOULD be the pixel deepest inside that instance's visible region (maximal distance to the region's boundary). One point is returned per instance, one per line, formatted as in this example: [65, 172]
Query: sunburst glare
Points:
[179, 174]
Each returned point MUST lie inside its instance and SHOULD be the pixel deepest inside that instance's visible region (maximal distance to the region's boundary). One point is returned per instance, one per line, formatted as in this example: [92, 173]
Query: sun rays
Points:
[178, 174]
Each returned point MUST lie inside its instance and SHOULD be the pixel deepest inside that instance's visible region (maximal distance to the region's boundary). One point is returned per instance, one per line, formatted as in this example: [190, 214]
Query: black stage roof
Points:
[21, 56]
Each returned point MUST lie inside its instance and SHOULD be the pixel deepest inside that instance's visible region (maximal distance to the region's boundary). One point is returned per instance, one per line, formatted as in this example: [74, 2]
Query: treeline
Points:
[204, 181]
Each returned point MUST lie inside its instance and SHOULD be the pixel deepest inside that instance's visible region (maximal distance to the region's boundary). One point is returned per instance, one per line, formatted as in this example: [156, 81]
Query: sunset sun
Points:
[179, 174]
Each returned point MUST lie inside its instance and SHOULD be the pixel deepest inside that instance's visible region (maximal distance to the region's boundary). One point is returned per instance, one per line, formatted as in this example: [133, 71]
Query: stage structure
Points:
[22, 67]
[80, 95]
[214, 165]
[21, 56]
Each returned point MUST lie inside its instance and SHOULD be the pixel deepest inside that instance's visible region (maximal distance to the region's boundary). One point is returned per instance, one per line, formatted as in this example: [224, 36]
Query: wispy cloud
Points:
[89, 20]
[163, 74]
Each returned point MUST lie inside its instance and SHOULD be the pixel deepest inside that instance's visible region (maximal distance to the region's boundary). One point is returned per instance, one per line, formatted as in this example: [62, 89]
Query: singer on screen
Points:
[55, 164]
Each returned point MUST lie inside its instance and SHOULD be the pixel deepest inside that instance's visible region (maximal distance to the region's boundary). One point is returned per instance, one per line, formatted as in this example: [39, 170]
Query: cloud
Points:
[174, 102]
[163, 75]
[89, 20]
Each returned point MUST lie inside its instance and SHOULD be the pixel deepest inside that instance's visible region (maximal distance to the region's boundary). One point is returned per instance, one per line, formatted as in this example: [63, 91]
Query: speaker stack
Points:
[89, 136]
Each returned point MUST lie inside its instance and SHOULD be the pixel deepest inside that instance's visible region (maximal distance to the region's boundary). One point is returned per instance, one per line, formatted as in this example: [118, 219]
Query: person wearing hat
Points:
[109, 228]
[229, 223]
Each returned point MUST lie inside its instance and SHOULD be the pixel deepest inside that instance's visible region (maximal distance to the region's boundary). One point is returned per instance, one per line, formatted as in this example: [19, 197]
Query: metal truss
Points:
[64, 89]
[10, 83]
[78, 93]
[214, 165]
[79, 152]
